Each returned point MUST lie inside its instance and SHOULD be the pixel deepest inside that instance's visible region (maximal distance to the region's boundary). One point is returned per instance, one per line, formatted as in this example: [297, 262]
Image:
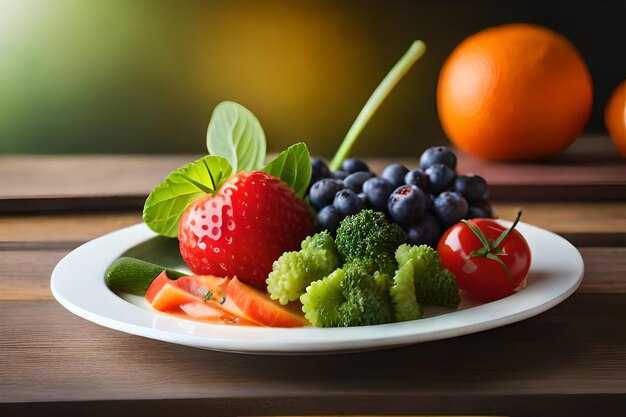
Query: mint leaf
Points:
[169, 200]
[293, 166]
[236, 135]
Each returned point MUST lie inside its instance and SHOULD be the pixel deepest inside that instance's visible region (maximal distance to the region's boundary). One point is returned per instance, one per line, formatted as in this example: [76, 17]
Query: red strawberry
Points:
[243, 228]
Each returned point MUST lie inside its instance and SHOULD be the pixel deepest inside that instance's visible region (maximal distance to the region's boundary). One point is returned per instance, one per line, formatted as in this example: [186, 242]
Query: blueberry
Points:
[438, 155]
[364, 203]
[377, 191]
[352, 165]
[339, 174]
[425, 232]
[347, 203]
[395, 174]
[476, 213]
[429, 201]
[355, 181]
[323, 192]
[471, 187]
[328, 219]
[417, 177]
[319, 169]
[449, 208]
[480, 209]
[440, 177]
[407, 204]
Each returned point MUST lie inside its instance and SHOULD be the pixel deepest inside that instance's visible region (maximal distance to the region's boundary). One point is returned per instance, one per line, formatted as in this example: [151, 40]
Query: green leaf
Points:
[293, 166]
[237, 136]
[169, 200]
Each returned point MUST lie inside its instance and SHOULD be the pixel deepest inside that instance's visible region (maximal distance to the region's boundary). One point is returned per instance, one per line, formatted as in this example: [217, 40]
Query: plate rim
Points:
[265, 340]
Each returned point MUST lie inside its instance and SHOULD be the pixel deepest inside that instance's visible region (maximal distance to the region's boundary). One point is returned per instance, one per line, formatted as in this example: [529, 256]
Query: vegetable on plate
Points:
[488, 260]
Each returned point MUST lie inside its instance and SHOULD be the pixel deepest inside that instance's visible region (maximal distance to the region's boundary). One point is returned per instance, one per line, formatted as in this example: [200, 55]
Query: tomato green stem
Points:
[480, 235]
[507, 231]
[378, 96]
[501, 262]
[491, 250]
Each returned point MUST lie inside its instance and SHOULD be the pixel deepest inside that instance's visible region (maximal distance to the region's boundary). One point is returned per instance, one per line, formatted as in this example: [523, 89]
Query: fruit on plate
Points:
[488, 260]
[514, 92]
[260, 308]
[243, 228]
[235, 218]
[424, 201]
[164, 295]
[220, 300]
[190, 292]
[615, 117]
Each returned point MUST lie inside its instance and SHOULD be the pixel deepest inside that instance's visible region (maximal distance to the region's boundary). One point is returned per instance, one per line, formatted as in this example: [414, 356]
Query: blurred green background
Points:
[114, 76]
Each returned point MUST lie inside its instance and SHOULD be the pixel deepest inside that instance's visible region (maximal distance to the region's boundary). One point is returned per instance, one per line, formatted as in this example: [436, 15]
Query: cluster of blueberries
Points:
[423, 201]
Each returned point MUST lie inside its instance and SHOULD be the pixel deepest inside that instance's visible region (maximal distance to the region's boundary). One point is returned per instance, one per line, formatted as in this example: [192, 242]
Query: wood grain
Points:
[25, 275]
[85, 183]
[569, 361]
[50, 355]
[590, 170]
[596, 221]
[427, 405]
[63, 228]
[84, 176]
[571, 217]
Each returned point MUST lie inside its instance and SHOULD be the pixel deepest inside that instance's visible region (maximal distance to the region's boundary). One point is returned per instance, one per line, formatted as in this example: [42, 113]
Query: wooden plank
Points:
[590, 170]
[605, 270]
[62, 227]
[578, 217]
[571, 350]
[81, 183]
[85, 175]
[25, 274]
[593, 220]
[428, 405]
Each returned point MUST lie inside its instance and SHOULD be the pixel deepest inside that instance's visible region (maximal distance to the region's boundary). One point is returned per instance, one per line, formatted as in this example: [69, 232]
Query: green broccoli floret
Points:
[293, 271]
[360, 267]
[366, 302]
[369, 235]
[350, 296]
[433, 286]
[426, 258]
[322, 299]
[383, 281]
[402, 293]
[444, 290]
[320, 254]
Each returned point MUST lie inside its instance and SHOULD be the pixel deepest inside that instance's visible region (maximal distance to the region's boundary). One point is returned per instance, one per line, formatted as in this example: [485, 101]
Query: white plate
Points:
[78, 284]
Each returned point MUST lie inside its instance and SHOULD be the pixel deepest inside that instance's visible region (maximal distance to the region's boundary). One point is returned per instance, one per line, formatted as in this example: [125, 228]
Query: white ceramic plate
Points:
[78, 284]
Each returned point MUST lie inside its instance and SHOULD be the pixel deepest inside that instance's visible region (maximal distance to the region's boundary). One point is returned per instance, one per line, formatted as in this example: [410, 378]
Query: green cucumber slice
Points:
[134, 276]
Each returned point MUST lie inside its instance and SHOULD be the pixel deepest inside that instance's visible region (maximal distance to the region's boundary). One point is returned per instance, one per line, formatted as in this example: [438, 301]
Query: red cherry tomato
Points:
[473, 261]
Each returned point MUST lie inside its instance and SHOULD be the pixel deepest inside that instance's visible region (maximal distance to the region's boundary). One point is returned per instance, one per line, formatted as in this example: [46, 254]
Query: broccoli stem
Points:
[414, 53]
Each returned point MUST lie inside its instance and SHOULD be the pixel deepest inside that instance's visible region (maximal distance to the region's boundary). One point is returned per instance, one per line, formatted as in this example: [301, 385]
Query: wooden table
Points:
[569, 361]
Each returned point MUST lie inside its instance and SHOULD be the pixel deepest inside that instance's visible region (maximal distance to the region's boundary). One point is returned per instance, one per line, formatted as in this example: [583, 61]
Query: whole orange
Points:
[514, 92]
[615, 117]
